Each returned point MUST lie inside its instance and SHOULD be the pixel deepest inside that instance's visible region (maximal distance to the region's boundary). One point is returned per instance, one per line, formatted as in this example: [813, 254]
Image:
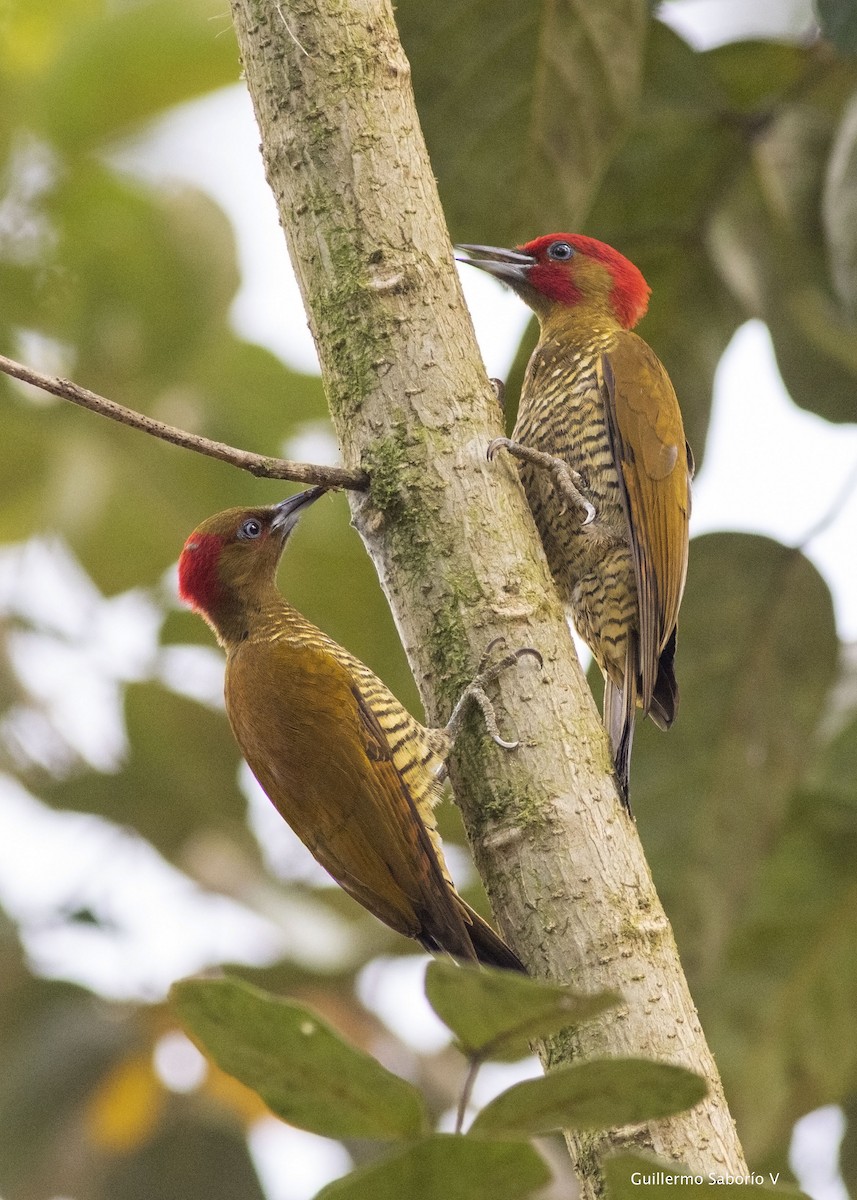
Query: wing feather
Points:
[649, 449]
[323, 759]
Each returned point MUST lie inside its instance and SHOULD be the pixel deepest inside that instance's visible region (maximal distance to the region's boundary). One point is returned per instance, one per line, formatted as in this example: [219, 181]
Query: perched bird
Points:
[605, 467]
[349, 769]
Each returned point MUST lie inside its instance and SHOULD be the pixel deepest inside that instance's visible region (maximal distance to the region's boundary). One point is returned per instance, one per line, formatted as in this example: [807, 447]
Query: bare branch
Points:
[260, 465]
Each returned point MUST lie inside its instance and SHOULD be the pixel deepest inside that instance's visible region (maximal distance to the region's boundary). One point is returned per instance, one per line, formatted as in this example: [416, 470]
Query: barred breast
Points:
[562, 414]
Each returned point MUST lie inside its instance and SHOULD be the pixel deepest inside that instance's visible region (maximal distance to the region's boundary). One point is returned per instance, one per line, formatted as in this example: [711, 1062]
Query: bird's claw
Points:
[498, 741]
[499, 443]
[568, 480]
[507, 661]
[476, 690]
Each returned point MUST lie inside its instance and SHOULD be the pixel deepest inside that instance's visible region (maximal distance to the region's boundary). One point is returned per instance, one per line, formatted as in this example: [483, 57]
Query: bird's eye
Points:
[560, 251]
[249, 529]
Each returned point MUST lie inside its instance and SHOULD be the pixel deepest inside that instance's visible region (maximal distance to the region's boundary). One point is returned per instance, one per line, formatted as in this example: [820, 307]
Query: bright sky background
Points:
[784, 492]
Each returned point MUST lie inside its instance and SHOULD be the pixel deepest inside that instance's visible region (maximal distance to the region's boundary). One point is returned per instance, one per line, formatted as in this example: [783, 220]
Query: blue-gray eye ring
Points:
[560, 251]
[251, 528]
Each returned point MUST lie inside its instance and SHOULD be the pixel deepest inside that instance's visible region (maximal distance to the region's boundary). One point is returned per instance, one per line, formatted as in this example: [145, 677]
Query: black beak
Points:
[509, 265]
[288, 511]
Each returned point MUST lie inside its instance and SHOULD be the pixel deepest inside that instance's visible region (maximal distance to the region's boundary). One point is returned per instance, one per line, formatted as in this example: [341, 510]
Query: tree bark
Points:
[455, 546]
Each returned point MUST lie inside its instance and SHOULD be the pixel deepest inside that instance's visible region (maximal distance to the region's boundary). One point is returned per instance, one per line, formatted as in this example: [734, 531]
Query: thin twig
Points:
[257, 464]
[467, 1091]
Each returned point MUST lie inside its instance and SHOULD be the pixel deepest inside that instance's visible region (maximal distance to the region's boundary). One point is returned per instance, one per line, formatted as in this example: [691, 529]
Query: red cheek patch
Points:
[199, 581]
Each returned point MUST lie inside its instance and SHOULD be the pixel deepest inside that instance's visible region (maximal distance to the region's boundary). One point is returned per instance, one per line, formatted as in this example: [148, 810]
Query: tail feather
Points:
[490, 948]
[619, 714]
[478, 942]
[665, 697]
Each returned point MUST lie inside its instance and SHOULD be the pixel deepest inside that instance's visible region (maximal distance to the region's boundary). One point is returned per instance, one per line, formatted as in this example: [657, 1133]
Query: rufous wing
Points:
[649, 448]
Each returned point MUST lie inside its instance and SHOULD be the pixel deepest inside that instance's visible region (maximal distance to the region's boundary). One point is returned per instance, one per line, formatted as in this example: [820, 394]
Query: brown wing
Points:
[649, 449]
[316, 748]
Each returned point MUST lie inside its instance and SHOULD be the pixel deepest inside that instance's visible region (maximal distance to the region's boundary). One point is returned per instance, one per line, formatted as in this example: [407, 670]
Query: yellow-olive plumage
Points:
[598, 403]
[349, 769]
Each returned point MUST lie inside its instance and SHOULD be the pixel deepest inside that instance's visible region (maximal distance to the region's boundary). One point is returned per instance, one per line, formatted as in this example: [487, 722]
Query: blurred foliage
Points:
[730, 176]
[316, 1080]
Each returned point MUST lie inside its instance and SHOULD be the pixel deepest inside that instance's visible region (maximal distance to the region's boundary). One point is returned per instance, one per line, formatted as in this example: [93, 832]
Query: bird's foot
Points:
[567, 479]
[475, 691]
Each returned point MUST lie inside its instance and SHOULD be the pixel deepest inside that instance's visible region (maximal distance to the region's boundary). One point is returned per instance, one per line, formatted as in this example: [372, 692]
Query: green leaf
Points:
[764, 811]
[157, 294]
[548, 90]
[197, 775]
[659, 186]
[789, 988]
[757, 656]
[602, 1094]
[781, 275]
[194, 1155]
[755, 76]
[662, 1180]
[57, 1042]
[112, 73]
[301, 1068]
[654, 205]
[446, 1167]
[839, 209]
[495, 1014]
[838, 21]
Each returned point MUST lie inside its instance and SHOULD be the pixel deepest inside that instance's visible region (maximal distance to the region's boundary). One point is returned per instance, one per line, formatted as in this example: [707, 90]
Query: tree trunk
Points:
[455, 546]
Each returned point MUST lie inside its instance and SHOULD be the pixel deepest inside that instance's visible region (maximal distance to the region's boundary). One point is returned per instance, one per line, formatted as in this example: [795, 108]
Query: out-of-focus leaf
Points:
[768, 865]
[124, 1110]
[782, 278]
[114, 71]
[662, 1180]
[180, 778]
[757, 655]
[547, 90]
[446, 1167]
[143, 281]
[784, 1002]
[838, 20]
[835, 768]
[653, 206]
[848, 1146]
[790, 162]
[840, 209]
[601, 1094]
[496, 1014]
[755, 76]
[302, 1070]
[196, 1155]
[57, 1042]
[660, 185]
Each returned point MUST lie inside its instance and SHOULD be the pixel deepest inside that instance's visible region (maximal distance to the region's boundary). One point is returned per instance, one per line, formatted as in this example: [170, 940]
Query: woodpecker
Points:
[349, 769]
[605, 467]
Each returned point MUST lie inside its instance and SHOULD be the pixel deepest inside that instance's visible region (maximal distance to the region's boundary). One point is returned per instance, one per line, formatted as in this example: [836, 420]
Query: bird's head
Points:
[565, 271]
[231, 559]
